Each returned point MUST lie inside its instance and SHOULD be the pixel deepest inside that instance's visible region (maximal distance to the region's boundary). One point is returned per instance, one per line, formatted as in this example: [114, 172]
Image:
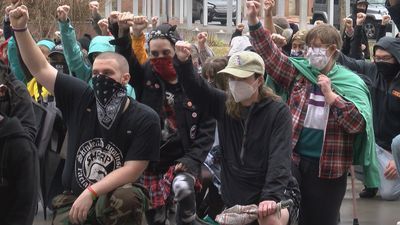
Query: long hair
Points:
[234, 108]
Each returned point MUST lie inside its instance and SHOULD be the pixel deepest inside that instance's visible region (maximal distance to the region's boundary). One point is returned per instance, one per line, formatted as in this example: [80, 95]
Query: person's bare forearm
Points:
[35, 60]
[269, 24]
[129, 173]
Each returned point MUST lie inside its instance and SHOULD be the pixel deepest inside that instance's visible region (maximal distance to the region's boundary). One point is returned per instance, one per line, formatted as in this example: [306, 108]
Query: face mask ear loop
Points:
[330, 57]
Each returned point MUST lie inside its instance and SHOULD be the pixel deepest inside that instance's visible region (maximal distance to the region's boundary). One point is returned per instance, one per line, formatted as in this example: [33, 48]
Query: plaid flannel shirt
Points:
[344, 118]
[159, 186]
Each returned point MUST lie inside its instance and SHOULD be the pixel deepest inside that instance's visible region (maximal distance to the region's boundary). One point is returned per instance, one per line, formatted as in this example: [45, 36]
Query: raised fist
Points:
[240, 26]
[14, 5]
[114, 17]
[62, 12]
[103, 25]
[94, 6]
[182, 50]
[361, 18]
[125, 20]
[268, 6]
[279, 40]
[202, 38]
[348, 23]
[19, 17]
[253, 9]
[139, 24]
[154, 21]
[385, 20]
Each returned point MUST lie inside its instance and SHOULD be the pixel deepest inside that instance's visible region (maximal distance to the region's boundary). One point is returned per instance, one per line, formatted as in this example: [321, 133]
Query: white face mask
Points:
[317, 58]
[241, 90]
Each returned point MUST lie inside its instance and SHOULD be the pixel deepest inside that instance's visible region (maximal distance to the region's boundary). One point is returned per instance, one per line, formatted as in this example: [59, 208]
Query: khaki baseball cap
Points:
[244, 64]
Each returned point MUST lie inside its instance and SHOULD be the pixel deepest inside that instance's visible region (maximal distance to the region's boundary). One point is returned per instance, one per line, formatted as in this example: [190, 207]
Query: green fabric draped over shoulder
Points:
[352, 88]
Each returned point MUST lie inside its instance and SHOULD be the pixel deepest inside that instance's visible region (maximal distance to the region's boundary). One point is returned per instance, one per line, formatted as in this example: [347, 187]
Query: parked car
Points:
[376, 9]
[221, 10]
[217, 11]
[198, 11]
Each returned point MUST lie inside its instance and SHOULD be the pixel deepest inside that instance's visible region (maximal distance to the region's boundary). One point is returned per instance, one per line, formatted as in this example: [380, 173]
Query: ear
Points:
[125, 78]
[332, 49]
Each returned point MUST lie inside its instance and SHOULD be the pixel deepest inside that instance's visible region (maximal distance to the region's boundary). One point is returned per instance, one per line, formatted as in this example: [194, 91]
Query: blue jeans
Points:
[396, 152]
[388, 189]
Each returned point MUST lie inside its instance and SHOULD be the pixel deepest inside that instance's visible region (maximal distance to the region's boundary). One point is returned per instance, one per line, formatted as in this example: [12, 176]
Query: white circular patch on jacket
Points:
[94, 160]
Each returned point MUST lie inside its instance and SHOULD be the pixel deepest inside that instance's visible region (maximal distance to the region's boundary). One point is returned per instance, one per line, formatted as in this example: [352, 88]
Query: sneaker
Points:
[368, 192]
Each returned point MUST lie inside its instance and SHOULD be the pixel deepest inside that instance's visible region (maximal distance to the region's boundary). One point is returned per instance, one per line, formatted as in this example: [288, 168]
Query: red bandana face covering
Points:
[164, 68]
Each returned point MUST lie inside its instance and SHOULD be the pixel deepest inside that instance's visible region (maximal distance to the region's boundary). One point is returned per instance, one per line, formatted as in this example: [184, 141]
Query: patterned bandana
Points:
[110, 96]
[165, 31]
[164, 68]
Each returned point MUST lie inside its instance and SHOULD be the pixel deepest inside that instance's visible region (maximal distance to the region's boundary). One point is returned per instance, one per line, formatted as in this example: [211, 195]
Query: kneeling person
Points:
[112, 137]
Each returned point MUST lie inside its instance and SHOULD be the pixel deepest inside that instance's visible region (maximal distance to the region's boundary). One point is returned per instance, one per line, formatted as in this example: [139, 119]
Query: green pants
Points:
[123, 206]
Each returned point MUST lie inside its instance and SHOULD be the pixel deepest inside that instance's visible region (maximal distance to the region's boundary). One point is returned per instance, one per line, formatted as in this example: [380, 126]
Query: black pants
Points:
[320, 198]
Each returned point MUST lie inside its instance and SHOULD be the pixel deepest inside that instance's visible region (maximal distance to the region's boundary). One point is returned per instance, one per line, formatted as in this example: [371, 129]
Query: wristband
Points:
[20, 29]
[93, 193]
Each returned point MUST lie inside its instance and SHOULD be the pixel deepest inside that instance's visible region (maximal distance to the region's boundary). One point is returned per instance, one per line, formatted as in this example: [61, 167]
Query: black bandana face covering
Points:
[111, 96]
[388, 70]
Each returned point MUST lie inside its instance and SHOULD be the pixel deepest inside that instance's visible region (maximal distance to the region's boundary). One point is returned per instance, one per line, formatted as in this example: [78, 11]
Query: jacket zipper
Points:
[242, 150]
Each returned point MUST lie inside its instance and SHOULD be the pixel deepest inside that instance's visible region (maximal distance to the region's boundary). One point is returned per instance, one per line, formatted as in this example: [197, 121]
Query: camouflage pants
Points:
[123, 206]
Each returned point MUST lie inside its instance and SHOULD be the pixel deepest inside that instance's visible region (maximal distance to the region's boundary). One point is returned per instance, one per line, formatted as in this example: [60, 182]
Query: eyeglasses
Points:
[382, 59]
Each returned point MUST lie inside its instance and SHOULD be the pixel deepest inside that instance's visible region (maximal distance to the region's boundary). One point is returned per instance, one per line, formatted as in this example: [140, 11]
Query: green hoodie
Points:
[352, 88]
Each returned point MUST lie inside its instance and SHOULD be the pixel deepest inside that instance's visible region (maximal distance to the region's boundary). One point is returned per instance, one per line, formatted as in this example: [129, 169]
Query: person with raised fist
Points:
[252, 122]
[112, 138]
[354, 37]
[187, 131]
[331, 111]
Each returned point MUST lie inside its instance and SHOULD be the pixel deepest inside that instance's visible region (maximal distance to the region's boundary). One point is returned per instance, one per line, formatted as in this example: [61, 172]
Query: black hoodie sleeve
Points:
[381, 32]
[22, 107]
[279, 157]
[95, 19]
[346, 43]
[7, 31]
[197, 152]
[355, 44]
[358, 66]
[394, 12]
[209, 99]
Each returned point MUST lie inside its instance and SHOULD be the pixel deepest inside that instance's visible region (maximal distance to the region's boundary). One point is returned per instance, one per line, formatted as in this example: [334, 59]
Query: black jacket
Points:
[18, 174]
[352, 45]
[195, 128]
[394, 12]
[21, 101]
[385, 97]
[261, 170]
